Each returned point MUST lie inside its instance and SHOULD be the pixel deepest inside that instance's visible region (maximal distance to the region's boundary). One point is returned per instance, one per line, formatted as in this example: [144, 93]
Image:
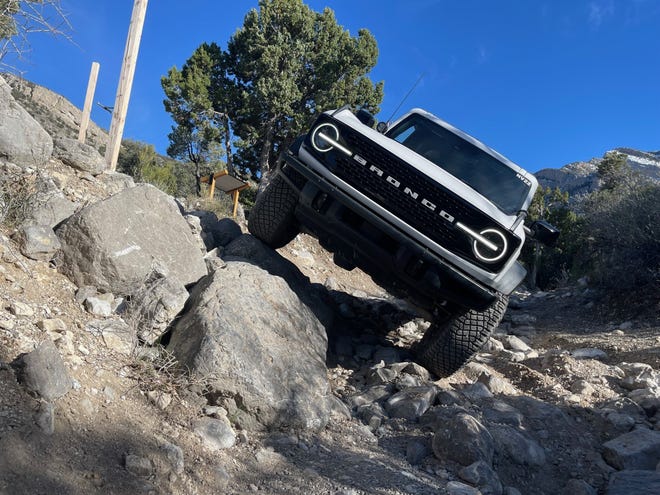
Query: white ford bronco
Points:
[430, 213]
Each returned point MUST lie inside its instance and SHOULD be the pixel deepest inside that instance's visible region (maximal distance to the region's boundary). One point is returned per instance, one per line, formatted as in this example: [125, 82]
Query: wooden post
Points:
[235, 194]
[212, 188]
[125, 83]
[89, 98]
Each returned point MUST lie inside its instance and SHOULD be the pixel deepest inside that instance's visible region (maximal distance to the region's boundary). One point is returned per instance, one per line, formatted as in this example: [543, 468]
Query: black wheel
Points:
[272, 217]
[449, 344]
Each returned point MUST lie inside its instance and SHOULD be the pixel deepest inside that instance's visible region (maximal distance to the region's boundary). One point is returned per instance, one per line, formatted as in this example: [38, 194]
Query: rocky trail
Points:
[146, 347]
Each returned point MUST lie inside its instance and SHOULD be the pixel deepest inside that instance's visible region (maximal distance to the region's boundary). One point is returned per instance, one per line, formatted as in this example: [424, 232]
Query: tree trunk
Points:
[264, 166]
[230, 161]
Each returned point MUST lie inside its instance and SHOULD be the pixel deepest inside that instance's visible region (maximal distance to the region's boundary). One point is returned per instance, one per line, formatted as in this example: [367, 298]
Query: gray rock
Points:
[50, 206]
[518, 446]
[463, 439]
[515, 344]
[155, 306]
[174, 455]
[417, 451]
[648, 399]
[224, 231]
[500, 412]
[458, 488]
[117, 335]
[249, 248]
[578, 487]
[634, 482]
[115, 244]
[216, 434]
[99, 305]
[78, 155]
[116, 182]
[18, 308]
[22, 140]
[411, 403]
[476, 392]
[370, 395]
[639, 376]
[638, 449]
[510, 490]
[589, 353]
[38, 242]
[269, 354]
[52, 325]
[497, 385]
[42, 371]
[480, 474]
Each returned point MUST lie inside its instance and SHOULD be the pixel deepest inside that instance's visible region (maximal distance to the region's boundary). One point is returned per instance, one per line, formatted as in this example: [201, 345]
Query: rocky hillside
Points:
[580, 178]
[146, 347]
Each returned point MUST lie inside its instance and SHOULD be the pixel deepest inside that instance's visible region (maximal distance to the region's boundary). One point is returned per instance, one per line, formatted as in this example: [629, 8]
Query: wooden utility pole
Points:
[89, 98]
[125, 83]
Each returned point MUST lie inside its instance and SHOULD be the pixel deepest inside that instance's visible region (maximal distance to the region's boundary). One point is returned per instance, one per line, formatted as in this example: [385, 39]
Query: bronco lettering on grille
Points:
[392, 181]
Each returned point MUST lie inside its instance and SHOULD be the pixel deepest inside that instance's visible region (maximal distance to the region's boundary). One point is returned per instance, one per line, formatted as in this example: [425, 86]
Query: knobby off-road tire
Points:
[448, 345]
[272, 217]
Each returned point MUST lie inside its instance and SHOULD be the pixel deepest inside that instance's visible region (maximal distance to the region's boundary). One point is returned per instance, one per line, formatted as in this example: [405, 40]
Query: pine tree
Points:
[288, 64]
[191, 99]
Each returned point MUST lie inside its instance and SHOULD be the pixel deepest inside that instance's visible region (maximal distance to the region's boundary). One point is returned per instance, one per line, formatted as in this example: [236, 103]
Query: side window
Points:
[401, 137]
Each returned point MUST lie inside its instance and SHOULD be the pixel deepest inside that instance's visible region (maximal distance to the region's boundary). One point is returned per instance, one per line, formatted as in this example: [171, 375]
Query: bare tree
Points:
[21, 18]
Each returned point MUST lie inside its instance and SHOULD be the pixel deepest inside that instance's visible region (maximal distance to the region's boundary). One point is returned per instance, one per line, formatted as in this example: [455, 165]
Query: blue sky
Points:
[545, 83]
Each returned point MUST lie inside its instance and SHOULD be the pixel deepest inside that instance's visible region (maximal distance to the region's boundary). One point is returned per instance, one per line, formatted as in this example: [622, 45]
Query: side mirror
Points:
[382, 127]
[543, 232]
[365, 117]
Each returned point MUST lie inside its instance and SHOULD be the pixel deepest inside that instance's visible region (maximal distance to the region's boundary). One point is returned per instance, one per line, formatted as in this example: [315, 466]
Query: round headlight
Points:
[486, 252]
[319, 134]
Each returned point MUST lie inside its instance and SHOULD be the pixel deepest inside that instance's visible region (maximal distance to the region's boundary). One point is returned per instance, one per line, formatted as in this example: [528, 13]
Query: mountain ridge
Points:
[581, 177]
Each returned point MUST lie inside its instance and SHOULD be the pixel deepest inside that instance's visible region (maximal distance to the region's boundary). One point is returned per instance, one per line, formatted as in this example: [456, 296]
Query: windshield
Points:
[465, 161]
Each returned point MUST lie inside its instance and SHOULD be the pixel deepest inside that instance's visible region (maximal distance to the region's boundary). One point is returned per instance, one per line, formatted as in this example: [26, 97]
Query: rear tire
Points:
[448, 345]
[272, 218]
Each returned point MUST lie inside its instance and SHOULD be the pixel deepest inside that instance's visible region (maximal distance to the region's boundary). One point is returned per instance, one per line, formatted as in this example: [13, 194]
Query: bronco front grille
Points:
[404, 206]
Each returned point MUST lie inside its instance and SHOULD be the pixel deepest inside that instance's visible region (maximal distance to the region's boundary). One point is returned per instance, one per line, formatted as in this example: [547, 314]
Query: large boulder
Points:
[78, 155]
[252, 340]
[315, 296]
[22, 140]
[116, 244]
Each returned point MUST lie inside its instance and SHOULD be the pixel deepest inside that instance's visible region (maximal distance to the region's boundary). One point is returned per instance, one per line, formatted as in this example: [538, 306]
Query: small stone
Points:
[215, 433]
[638, 449]
[174, 456]
[458, 488]
[634, 482]
[482, 475]
[583, 388]
[417, 451]
[515, 344]
[160, 399]
[98, 306]
[589, 353]
[52, 325]
[463, 439]
[42, 371]
[477, 391]
[411, 403]
[18, 308]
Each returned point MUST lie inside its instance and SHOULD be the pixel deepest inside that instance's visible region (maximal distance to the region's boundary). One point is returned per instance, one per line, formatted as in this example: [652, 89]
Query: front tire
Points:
[450, 344]
[272, 218]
